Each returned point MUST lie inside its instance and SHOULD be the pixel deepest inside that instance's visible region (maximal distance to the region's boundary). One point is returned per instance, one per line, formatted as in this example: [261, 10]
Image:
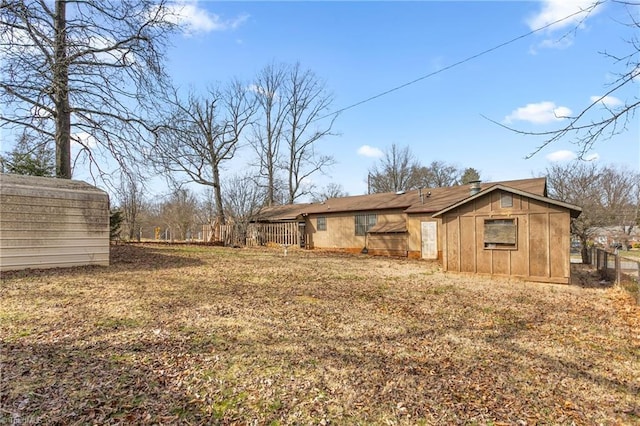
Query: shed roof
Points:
[11, 180]
[441, 198]
[573, 209]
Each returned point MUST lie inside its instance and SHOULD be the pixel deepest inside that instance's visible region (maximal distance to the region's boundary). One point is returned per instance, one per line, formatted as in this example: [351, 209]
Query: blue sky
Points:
[361, 49]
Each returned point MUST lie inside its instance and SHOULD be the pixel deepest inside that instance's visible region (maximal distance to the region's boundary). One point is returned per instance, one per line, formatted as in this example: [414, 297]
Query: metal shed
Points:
[48, 222]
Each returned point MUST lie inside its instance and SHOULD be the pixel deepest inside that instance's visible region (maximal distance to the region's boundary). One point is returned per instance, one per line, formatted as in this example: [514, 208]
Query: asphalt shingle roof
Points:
[431, 201]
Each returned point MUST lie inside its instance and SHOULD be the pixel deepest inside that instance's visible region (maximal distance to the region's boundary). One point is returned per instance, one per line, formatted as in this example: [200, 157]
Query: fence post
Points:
[616, 261]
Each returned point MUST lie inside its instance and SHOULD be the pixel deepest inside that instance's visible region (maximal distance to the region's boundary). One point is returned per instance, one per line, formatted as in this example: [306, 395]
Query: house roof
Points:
[573, 209]
[441, 198]
[280, 213]
[427, 200]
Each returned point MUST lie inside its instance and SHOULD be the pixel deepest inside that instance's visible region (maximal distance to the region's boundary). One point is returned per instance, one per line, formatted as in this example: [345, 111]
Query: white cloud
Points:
[369, 151]
[39, 112]
[575, 11]
[562, 155]
[539, 113]
[592, 157]
[84, 139]
[195, 19]
[555, 10]
[565, 155]
[558, 43]
[607, 101]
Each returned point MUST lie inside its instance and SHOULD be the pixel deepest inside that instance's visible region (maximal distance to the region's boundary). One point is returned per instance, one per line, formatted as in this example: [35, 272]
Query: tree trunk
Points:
[217, 191]
[61, 94]
[270, 188]
[584, 252]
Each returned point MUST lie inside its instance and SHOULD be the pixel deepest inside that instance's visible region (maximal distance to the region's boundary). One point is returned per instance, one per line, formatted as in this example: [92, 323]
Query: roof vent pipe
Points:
[474, 187]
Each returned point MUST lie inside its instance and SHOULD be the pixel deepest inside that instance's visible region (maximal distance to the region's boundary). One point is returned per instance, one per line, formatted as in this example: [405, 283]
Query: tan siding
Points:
[538, 244]
[46, 223]
[536, 206]
[482, 205]
[389, 244]
[500, 262]
[467, 247]
[542, 247]
[519, 259]
[340, 233]
[559, 241]
[414, 229]
[453, 233]
[483, 257]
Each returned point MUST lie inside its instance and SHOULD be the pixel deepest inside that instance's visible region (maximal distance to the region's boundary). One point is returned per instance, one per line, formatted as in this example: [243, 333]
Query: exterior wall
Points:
[389, 244]
[415, 234]
[542, 247]
[47, 222]
[340, 233]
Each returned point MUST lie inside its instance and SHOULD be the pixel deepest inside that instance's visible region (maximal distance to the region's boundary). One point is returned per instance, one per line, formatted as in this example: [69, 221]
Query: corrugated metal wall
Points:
[48, 222]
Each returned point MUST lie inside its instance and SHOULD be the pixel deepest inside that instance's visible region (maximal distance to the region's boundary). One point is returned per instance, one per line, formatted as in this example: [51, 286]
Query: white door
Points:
[429, 240]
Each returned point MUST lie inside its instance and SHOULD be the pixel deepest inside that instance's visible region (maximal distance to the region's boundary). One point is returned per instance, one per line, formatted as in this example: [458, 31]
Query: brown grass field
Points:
[211, 335]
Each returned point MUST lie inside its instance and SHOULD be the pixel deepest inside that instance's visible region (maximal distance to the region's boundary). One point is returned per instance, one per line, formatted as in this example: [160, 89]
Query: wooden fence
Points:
[256, 234]
[621, 270]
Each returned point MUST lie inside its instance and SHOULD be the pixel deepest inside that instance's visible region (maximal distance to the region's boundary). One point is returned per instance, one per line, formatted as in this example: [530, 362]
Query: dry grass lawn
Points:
[209, 335]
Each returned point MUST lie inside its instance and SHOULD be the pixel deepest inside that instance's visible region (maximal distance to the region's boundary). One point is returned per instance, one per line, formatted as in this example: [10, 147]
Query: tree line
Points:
[90, 74]
[400, 170]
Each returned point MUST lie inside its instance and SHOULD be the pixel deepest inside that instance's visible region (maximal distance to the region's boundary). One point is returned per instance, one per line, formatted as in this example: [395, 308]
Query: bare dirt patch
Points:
[196, 334]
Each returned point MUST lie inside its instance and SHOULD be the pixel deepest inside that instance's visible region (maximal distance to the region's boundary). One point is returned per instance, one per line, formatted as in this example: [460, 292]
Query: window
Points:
[506, 200]
[364, 222]
[321, 224]
[500, 234]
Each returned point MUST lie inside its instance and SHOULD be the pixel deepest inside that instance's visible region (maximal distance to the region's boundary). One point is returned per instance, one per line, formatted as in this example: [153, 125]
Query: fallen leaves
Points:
[180, 334]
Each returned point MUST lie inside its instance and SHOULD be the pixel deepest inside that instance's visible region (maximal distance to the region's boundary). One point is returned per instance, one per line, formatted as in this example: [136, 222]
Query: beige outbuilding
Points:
[48, 222]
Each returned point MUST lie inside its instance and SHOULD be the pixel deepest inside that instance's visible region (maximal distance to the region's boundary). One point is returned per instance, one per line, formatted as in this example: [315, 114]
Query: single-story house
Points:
[509, 228]
[612, 236]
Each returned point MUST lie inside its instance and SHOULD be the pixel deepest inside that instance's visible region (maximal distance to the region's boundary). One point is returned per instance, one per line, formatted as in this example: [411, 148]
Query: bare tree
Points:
[82, 71]
[179, 212]
[292, 103]
[620, 192]
[608, 197]
[201, 134]
[575, 183]
[307, 102]
[130, 195]
[267, 132]
[243, 200]
[332, 190]
[601, 119]
[395, 171]
[439, 174]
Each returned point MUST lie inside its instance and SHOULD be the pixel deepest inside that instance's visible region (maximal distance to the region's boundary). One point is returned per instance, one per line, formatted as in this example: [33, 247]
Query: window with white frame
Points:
[321, 223]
